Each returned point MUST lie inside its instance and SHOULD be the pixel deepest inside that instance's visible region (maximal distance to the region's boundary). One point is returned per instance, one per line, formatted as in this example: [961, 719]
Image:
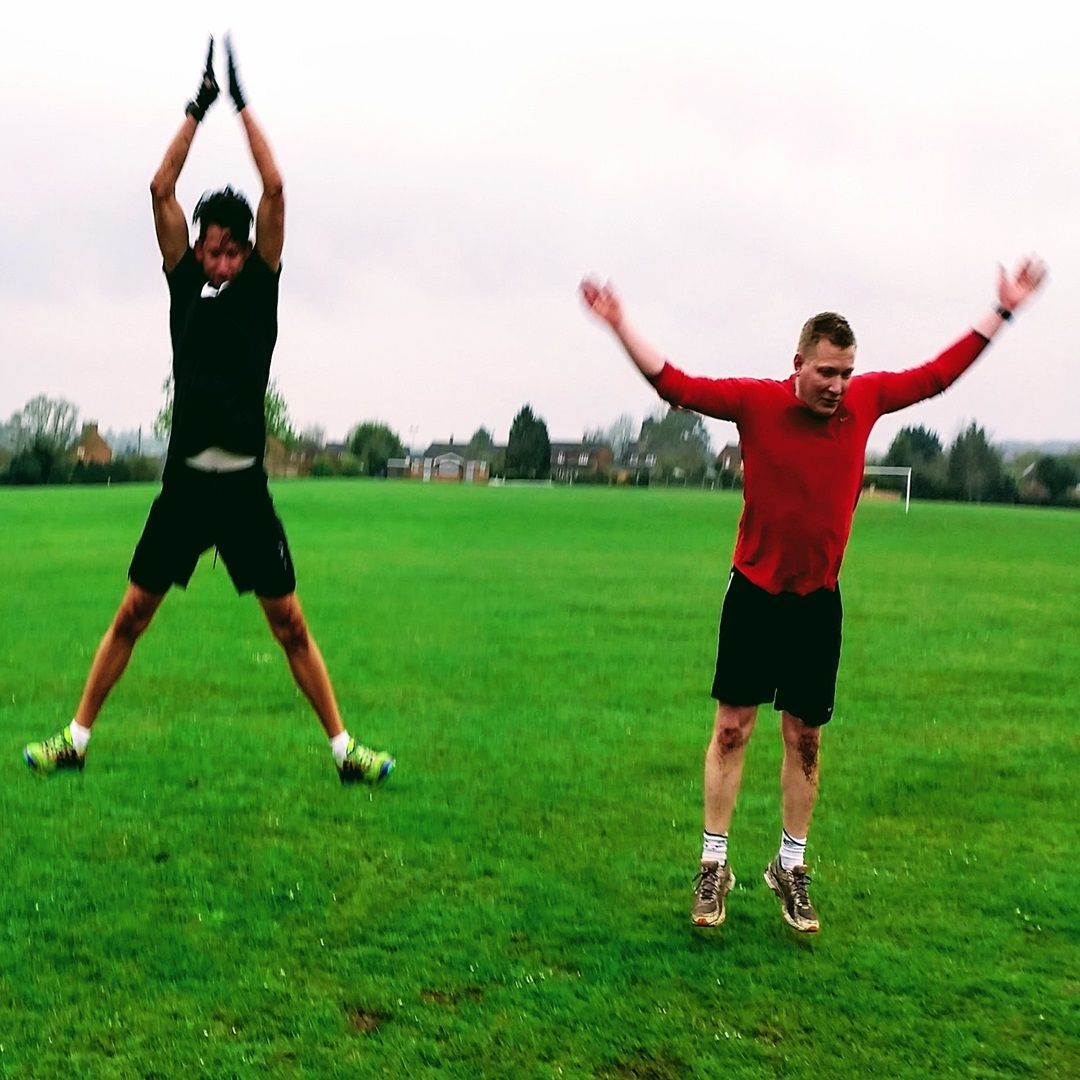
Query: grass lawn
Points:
[207, 900]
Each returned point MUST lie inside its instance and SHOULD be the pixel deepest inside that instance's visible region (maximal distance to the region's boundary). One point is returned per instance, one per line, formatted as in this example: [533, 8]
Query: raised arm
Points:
[604, 305]
[721, 398]
[270, 216]
[899, 389]
[169, 220]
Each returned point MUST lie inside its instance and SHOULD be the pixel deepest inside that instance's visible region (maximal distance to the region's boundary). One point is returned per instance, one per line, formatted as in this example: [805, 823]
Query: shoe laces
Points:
[58, 747]
[800, 879]
[361, 757]
[707, 882]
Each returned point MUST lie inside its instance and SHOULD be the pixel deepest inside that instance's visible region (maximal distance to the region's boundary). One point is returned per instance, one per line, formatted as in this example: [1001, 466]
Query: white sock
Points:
[792, 850]
[338, 745]
[80, 736]
[714, 847]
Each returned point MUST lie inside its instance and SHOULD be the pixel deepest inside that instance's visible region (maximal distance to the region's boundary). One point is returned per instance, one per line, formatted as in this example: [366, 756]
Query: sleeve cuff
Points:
[655, 379]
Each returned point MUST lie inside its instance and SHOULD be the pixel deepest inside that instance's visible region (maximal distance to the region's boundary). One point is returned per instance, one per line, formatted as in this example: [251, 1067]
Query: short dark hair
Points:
[834, 328]
[227, 209]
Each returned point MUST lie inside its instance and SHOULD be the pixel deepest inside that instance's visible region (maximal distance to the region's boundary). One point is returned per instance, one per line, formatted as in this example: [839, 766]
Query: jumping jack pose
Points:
[803, 445]
[223, 323]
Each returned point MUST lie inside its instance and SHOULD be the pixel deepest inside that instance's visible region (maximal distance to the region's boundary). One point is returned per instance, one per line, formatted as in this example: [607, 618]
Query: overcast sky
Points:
[453, 169]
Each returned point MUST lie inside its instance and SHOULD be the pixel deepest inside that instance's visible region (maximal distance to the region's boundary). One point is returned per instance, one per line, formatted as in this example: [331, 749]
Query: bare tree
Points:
[618, 435]
[45, 421]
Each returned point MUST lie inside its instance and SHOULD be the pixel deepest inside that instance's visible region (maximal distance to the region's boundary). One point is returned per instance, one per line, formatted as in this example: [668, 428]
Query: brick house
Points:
[444, 463]
[636, 465]
[578, 460]
[730, 458]
[91, 448]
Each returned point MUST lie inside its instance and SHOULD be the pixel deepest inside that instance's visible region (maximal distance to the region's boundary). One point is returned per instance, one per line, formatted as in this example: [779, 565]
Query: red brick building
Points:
[91, 448]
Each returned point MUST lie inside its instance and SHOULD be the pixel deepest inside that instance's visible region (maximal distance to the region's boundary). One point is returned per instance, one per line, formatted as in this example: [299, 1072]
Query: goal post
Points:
[893, 470]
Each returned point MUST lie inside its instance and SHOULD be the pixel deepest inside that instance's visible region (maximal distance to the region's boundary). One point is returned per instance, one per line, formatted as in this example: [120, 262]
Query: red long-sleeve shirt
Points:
[802, 473]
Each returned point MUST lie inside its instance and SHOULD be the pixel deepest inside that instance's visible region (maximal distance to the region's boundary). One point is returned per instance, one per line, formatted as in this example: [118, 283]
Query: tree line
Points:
[36, 448]
[973, 469]
[371, 446]
[670, 446]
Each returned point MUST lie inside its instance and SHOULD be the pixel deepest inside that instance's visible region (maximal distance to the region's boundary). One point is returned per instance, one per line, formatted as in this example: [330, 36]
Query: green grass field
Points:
[207, 900]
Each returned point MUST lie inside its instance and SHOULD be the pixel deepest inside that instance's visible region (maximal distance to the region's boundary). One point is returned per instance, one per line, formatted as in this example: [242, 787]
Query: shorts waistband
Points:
[182, 474]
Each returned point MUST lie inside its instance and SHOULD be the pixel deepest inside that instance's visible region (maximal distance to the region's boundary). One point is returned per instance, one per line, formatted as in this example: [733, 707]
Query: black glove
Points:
[208, 89]
[236, 92]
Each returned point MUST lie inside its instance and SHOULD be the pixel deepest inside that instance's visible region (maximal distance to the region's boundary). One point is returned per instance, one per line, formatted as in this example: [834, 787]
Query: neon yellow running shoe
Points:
[365, 765]
[56, 753]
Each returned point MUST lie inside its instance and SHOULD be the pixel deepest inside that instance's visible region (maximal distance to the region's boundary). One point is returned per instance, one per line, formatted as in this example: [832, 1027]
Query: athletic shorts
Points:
[782, 648]
[232, 512]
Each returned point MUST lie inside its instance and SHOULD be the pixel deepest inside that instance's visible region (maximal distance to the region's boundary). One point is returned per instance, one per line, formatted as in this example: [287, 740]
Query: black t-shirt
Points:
[222, 347]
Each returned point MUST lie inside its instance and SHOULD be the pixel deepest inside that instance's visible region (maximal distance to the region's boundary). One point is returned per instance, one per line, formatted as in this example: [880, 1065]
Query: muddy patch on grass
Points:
[643, 1067]
[365, 1020]
[452, 997]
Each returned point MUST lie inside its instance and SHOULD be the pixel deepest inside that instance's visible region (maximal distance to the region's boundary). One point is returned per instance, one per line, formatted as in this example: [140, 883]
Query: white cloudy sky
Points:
[453, 169]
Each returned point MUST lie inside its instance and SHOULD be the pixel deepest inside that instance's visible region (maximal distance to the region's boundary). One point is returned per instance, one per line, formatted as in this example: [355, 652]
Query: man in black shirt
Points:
[223, 323]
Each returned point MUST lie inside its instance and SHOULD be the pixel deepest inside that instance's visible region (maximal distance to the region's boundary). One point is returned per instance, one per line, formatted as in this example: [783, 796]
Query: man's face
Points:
[221, 257]
[822, 376]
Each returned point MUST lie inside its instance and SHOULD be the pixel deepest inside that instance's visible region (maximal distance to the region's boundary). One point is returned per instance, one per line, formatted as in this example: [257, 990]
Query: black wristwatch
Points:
[1004, 312]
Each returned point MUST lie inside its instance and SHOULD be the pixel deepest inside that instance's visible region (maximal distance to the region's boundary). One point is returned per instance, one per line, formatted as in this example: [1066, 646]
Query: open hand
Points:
[1015, 289]
[602, 302]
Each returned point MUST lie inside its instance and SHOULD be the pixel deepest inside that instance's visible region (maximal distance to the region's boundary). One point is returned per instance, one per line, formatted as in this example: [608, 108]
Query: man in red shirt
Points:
[803, 443]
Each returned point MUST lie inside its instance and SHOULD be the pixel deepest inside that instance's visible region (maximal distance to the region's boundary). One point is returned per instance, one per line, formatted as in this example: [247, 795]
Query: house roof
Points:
[460, 450]
[90, 444]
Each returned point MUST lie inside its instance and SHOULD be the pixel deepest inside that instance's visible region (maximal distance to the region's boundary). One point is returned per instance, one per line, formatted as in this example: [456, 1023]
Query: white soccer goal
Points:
[892, 470]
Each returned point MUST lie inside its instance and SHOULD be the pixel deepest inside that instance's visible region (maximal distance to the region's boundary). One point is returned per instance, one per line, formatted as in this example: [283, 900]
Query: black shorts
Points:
[782, 648]
[230, 511]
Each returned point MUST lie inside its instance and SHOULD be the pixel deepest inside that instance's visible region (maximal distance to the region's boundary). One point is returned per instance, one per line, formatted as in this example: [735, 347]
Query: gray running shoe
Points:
[711, 886]
[790, 886]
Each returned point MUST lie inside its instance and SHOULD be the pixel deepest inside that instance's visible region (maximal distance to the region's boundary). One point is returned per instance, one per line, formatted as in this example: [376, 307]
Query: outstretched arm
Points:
[711, 397]
[604, 305]
[270, 216]
[169, 220]
[899, 389]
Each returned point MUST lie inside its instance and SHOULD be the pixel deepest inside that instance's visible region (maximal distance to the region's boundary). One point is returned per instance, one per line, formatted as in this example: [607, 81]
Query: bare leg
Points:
[799, 774]
[305, 661]
[132, 618]
[724, 763]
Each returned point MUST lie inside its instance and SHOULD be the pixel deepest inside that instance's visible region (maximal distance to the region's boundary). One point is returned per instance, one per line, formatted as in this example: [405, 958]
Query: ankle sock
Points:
[714, 847]
[80, 736]
[792, 850]
[338, 745]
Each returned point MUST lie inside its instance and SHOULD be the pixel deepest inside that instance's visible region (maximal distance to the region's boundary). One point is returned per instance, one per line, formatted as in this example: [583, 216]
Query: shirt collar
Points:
[209, 292]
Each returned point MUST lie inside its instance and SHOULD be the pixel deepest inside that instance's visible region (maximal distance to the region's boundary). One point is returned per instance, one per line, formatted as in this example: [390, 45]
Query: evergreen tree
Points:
[975, 469]
[528, 451]
[481, 447]
[920, 449]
